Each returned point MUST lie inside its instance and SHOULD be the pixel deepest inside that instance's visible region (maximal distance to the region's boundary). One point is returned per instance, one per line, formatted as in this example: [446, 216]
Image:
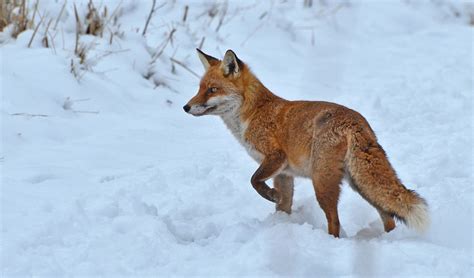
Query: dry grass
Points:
[94, 24]
[95, 20]
[45, 40]
[15, 13]
[18, 16]
[150, 15]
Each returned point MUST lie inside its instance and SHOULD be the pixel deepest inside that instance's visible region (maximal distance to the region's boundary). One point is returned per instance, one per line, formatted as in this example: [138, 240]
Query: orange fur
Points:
[319, 140]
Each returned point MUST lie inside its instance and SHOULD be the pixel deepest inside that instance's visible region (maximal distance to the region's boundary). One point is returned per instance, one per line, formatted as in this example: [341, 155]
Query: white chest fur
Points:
[238, 129]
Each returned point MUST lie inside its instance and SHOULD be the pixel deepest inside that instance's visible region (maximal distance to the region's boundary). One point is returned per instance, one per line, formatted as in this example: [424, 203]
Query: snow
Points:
[116, 180]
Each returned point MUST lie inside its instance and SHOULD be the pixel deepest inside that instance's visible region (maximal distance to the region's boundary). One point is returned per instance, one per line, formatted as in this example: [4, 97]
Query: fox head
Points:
[221, 88]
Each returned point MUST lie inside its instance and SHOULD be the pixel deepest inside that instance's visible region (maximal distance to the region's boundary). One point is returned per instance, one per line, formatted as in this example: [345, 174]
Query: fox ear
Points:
[231, 65]
[206, 60]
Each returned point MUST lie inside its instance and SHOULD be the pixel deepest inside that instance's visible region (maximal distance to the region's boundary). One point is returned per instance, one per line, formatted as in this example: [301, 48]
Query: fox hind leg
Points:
[387, 219]
[326, 181]
[328, 172]
[327, 188]
[284, 185]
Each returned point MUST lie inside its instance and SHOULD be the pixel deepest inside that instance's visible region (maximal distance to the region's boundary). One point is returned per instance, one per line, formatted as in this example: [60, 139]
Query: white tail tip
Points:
[418, 218]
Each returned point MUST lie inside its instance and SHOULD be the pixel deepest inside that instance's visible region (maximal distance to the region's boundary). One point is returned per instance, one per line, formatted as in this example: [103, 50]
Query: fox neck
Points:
[234, 123]
[255, 96]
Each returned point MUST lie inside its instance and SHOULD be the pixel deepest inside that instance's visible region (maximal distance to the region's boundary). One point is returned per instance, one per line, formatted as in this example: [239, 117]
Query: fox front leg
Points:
[284, 185]
[271, 166]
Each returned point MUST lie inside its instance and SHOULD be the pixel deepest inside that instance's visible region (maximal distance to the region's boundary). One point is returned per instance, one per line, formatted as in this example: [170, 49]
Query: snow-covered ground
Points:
[107, 176]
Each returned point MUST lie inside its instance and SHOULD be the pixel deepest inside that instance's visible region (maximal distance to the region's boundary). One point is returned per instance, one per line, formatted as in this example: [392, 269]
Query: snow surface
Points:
[117, 180]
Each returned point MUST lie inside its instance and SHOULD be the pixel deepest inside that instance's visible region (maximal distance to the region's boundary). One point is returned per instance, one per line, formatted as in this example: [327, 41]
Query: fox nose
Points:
[186, 108]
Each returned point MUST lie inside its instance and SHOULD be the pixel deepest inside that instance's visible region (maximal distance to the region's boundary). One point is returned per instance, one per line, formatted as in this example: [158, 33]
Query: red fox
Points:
[323, 141]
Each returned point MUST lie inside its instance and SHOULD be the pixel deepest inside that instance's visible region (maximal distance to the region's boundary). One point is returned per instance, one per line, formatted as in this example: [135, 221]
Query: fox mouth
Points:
[208, 109]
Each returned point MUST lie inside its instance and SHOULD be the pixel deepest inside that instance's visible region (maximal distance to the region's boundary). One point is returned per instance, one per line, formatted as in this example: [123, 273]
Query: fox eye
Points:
[212, 90]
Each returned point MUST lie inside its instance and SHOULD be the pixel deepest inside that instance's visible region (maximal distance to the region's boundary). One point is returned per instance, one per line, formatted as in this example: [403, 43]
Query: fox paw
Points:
[274, 195]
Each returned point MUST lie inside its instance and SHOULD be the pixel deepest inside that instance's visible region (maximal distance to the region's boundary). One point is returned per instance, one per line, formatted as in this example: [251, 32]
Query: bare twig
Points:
[81, 99]
[110, 52]
[47, 32]
[111, 38]
[60, 14]
[23, 17]
[169, 39]
[74, 69]
[112, 16]
[34, 32]
[45, 37]
[62, 37]
[76, 72]
[86, 112]
[202, 42]
[82, 51]
[78, 29]
[34, 12]
[23, 8]
[184, 66]
[149, 17]
[221, 19]
[166, 85]
[52, 41]
[186, 8]
[29, 115]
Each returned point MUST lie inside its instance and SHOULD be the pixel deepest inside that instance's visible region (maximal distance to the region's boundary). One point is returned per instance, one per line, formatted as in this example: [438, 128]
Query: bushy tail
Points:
[371, 174]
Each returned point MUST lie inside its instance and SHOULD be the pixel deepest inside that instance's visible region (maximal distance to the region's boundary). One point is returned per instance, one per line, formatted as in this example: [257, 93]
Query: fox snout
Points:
[199, 109]
[196, 105]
